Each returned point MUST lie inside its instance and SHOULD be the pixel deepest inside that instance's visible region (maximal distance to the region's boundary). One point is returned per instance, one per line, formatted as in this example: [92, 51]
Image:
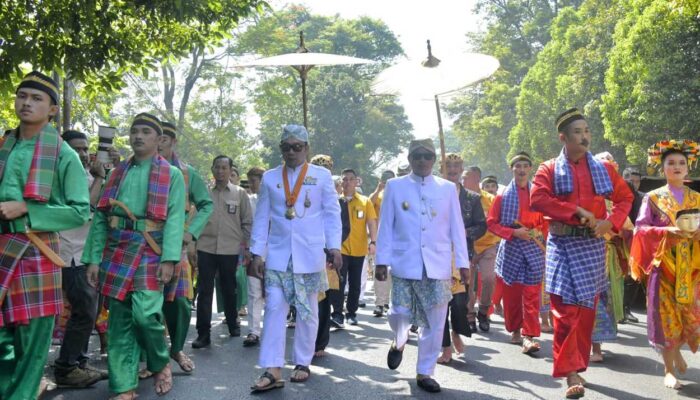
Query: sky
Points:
[444, 22]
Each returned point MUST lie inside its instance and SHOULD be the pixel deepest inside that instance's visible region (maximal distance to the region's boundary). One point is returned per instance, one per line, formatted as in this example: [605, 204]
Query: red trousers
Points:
[498, 291]
[573, 330]
[521, 307]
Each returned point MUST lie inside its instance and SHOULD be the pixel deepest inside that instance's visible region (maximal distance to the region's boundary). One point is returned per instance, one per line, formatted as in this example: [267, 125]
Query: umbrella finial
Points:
[302, 48]
[431, 61]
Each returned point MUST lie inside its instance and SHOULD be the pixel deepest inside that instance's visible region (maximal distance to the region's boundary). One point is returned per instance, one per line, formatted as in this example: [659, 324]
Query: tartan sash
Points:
[41, 173]
[158, 188]
[184, 168]
[564, 181]
[510, 207]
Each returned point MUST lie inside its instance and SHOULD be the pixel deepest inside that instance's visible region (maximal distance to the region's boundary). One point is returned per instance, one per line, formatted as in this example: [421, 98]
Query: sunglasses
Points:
[297, 147]
[424, 156]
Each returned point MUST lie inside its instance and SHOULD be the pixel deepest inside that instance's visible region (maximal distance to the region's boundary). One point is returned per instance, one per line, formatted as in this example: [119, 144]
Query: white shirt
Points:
[72, 241]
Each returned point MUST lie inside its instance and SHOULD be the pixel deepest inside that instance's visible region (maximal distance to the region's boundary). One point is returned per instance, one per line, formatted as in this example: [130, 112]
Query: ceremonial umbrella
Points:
[303, 61]
[433, 77]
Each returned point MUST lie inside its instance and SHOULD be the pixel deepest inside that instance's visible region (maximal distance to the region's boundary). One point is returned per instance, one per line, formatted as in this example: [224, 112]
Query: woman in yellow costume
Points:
[666, 246]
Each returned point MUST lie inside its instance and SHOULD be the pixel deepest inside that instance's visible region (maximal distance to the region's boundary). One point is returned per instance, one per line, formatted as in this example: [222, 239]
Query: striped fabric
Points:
[30, 284]
[183, 287]
[520, 261]
[510, 208]
[564, 181]
[129, 264]
[576, 269]
[158, 188]
[43, 167]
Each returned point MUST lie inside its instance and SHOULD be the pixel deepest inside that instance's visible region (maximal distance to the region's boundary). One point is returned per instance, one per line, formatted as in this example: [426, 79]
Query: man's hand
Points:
[372, 249]
[114, 156]
[380, 272]
[165, 271]
[380, 186]
[10, 210]
[92, 273]
[97, 169]
[586, 217]
[465, 277]
[256, 268]
[522, 233]
[602, 227]
[337, 259]
[187, 238]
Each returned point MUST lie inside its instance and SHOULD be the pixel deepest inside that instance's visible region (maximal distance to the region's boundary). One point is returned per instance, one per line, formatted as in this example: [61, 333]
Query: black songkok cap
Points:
[521, 156]
[169, 129]
[39, 81]
[72, 134]
[568, 117]
[149, 120]
[489, 179]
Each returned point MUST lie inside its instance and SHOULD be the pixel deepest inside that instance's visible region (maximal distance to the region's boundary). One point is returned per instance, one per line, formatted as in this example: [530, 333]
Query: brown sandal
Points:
[274, 383]
[297, 369]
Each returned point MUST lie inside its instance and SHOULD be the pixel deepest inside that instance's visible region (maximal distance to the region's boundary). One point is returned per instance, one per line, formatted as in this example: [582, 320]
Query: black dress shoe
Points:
[394, 357]
[201, 341]
[484, 323]
[428, 384]
[235, 331]
[352, 320]
[472, 326]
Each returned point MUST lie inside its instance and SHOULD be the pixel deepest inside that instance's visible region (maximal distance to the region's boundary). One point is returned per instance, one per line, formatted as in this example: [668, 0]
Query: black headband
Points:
[169, 129]
[568, 117]
[148, 120]
[72, 134]
[39, 81]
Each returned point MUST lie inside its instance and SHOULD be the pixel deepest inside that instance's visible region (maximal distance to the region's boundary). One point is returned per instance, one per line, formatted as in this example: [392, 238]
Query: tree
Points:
[654, 76]
[357, 129]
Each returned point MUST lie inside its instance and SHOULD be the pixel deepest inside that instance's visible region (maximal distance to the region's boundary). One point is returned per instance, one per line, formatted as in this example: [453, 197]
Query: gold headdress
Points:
[690, 148]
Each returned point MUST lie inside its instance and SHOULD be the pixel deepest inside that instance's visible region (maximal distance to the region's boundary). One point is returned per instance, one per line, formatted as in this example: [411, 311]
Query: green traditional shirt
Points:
[133, 192]
[69, 204]
[199, 196]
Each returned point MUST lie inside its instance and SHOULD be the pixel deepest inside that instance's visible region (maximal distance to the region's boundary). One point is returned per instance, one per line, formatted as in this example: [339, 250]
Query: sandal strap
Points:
[302, 368]
[269, 376]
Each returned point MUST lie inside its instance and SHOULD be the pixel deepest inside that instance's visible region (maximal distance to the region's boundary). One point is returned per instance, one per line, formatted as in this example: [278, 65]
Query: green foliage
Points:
[358, 130]
[654, 76]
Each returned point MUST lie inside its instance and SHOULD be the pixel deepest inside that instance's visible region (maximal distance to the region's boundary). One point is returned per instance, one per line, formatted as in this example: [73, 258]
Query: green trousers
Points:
[23, 353]
[177, 316]
[135, 325]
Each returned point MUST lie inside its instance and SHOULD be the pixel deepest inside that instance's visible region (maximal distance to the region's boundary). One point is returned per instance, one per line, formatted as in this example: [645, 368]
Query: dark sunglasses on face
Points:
[425, 156]
[297, 147]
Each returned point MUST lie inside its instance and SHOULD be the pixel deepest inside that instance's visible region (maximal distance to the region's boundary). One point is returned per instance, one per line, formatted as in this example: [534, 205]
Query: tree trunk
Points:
[67, 104]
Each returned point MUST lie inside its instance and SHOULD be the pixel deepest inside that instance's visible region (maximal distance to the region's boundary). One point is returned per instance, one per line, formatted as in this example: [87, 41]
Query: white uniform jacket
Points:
[421, 224]
[305, 236]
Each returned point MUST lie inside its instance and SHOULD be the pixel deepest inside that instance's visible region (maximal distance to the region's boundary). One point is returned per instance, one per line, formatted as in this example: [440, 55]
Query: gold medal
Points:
[290, 214]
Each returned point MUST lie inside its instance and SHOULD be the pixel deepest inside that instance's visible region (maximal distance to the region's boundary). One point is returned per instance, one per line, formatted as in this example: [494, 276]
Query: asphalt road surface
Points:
[355, 368]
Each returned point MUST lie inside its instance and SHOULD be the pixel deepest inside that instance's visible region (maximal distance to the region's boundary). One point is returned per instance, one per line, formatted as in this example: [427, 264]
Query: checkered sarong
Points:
[129, 264]
[564, 181]
[575, 269]
[30, 284]
[520, 261]
[183, 286]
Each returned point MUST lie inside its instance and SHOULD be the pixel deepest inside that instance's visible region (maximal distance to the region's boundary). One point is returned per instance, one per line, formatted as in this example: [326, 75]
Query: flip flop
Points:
[184, 361]
[301, 368]
[274, 383]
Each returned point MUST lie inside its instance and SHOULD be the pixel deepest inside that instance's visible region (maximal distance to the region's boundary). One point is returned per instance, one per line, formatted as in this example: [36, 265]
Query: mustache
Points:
[584, 142]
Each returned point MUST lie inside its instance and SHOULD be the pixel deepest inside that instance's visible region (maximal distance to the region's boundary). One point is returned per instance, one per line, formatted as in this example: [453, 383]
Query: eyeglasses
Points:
[297, 147]
[424, 156]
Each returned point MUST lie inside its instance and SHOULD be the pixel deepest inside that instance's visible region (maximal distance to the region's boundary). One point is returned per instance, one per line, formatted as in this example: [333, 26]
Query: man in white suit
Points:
[297, 216]
[420, 230]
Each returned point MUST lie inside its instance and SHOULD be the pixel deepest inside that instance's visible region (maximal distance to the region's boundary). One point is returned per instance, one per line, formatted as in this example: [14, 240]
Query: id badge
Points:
[360, 214]
[232, 207]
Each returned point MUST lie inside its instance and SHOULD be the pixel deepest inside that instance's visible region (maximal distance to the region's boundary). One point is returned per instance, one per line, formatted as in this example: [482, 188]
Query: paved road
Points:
[355, 368]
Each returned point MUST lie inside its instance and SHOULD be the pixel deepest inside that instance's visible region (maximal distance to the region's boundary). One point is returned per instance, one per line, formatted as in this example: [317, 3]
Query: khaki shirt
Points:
[230, 222]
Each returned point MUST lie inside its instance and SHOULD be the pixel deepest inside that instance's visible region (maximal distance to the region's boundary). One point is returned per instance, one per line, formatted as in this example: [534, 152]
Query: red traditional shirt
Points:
[527, 216]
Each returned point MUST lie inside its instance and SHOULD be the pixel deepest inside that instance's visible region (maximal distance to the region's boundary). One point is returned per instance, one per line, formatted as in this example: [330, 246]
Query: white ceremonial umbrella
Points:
[433, 77]
[303, 61]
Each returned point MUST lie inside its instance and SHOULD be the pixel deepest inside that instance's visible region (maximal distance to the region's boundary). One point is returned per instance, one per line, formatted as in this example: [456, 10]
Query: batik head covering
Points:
[323, 160]
[656, 152]
[294, 131]
[453, 157]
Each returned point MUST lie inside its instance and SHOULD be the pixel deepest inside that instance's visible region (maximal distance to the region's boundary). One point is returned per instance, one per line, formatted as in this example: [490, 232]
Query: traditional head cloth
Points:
[294, 131]
[690, 148]
[73, 134]
[568, 117]
[169, 129]
[421, 144]
[148, 120]
[489, 179]
[39, 81]
[521, 156]
[453, 157]
[323, 160]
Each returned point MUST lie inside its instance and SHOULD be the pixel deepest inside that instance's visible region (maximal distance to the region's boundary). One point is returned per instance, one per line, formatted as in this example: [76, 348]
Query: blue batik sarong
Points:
[576, 269]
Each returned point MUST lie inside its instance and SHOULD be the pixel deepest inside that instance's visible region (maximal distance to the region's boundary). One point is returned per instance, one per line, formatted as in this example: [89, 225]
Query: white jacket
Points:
[305, 236]
[421, 224]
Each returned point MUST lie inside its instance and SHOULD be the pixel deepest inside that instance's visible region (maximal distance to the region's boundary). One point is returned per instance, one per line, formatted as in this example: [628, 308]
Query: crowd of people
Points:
[128, 247]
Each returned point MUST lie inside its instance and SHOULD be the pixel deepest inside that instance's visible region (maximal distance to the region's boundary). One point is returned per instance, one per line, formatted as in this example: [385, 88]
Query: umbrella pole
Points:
[303, 99]
[441, 136]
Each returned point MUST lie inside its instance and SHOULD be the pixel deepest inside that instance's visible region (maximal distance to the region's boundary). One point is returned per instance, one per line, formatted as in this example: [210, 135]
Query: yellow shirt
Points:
[489, 239]
[378, 203]
[360, 210]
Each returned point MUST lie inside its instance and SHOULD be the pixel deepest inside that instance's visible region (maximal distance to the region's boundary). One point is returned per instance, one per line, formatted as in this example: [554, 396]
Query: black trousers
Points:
[350, 273]
[324, 323]
[83, 300]
[632, 293]
[209, 264]
[457, 314]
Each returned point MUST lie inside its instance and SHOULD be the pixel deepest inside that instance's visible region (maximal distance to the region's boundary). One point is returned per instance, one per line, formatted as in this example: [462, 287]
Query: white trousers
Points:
[363, 280]
[256, 303]
[429, 339]
[273, 343]
[382, 291]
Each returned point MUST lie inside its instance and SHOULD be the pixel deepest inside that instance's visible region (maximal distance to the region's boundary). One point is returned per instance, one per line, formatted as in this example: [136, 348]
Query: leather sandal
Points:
[274, 383]
[297, 369]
